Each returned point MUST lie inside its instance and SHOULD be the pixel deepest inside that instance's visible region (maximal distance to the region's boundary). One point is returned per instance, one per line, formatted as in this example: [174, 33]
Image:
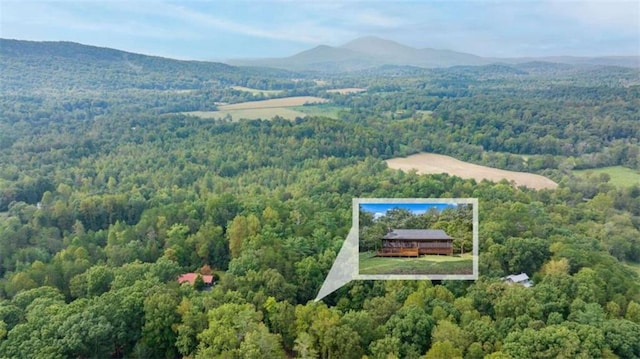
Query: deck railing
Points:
[398, 252]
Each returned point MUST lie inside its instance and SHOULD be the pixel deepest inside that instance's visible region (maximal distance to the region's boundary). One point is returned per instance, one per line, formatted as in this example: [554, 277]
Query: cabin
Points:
[191, 279]
[521, 278]
[415, 242]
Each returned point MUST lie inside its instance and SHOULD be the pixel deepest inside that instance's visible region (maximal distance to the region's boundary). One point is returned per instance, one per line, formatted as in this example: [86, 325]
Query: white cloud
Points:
[621, 15]
[373, 18]
[302, 31]
[251, 27]
[55, 15]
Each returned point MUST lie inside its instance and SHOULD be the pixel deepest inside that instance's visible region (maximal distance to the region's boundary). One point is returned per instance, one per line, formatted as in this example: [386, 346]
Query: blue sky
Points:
[380, 209]
[226, 29]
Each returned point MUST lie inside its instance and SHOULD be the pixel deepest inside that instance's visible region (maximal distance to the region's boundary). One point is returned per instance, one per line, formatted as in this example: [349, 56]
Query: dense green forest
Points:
[108, 193]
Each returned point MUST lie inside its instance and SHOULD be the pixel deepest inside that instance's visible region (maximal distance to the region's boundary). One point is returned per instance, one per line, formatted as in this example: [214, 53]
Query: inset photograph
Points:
[432, 237]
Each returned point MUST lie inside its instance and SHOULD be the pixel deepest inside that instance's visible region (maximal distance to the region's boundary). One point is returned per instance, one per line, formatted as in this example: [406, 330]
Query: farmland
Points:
[326, 110]
[620, 176]
[430, 163]
[347, 90]
[250, 114]
[109, 193]
[286, 107]
[257, 91]
[276, 102]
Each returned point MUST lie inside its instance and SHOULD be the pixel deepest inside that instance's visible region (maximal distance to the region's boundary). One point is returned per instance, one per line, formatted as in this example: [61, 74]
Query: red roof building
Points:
[191, 278]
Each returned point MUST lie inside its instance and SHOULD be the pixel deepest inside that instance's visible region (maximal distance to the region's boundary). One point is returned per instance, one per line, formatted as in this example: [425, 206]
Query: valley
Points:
[121, 173]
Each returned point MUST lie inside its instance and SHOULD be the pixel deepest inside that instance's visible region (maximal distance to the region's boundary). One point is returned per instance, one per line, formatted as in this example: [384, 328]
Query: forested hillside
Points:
[108, 193]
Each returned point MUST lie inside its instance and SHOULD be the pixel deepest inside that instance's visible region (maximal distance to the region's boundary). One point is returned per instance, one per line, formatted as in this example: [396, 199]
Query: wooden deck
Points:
[398, 252]
[444, 250]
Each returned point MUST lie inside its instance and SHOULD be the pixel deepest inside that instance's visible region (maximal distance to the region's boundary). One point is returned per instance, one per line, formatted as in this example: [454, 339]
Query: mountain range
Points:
[370, 52]
[58, 65]
[66, 65]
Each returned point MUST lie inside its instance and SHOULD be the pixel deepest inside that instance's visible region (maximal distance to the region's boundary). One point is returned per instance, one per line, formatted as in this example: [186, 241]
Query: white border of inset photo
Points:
[473, 201]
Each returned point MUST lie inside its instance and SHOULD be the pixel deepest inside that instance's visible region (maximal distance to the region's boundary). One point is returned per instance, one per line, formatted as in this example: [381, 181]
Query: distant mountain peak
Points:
[321, 47]
[368, 52]
[369, 40]
[375, 45]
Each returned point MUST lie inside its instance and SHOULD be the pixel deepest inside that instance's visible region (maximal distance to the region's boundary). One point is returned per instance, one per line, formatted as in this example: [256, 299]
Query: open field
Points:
[426, 264]
[250, 114]
[430, 163]
[424, 113]
[348, 90]
[257, 91]
[286, 107]
[326, 110]
[276, 102]
[620, 176]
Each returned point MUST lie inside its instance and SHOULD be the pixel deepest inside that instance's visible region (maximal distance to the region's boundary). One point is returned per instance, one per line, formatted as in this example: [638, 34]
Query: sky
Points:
[380, 209]
[225, 29]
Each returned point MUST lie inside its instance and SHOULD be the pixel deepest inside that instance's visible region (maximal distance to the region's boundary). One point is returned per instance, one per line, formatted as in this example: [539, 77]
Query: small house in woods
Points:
[191, 279]
[415, 242]
[521, 278]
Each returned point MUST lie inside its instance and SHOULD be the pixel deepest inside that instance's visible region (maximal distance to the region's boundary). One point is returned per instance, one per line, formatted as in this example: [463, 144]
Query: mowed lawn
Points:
[431, 163]
[620, 176]
[426, 264]
[284, 107]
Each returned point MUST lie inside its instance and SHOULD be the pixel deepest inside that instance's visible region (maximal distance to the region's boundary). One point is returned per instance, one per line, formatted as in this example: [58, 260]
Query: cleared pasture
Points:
[620, 176]
[324, 110]
[250, 114]
[286, 107]
[345, 91]
[431, 163]
[257, 91]
[276, 102]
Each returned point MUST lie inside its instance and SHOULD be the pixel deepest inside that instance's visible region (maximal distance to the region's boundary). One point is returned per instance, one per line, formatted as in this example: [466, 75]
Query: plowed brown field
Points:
[429, 163]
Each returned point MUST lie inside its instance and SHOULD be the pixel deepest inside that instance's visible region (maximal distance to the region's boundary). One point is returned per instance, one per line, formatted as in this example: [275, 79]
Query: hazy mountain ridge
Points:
[68, 65]
[370, 52]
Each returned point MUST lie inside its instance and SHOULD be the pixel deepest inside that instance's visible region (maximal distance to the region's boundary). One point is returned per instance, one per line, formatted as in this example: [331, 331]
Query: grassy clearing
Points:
[620, 176]
[276, 102]
[430, 163]
[427, 264]
[424, 114]
[324, 110]
[286, 107]
[348, 90]
[257, 91]
[250, 114]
